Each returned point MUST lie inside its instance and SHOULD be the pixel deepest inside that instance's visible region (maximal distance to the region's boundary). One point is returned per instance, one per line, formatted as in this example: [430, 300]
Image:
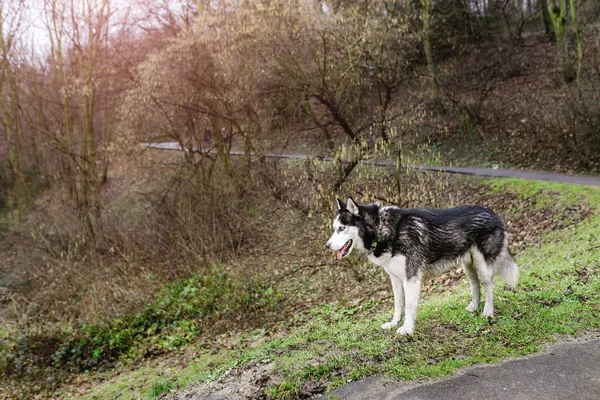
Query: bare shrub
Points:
[153, 232]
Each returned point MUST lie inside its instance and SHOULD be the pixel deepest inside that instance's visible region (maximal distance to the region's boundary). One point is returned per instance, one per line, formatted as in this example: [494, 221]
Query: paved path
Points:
[568, 371]
[504, 173]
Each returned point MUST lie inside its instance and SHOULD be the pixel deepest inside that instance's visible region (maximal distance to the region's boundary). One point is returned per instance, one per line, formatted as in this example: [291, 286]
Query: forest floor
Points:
[325, 333]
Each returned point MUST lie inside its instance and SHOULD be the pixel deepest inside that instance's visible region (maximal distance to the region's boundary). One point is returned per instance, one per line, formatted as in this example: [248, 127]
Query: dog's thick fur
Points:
[412, 244]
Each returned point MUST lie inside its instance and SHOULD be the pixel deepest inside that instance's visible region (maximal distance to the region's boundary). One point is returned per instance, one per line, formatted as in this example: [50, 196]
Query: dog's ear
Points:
[352, 206]
[340, 204]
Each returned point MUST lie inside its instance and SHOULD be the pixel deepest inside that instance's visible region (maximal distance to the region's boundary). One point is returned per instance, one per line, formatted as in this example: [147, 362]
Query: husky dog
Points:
[412, 244]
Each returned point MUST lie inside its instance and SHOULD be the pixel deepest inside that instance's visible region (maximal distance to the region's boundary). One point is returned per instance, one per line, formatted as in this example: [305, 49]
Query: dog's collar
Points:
[369, 240]
[370, 243]
[371, 249]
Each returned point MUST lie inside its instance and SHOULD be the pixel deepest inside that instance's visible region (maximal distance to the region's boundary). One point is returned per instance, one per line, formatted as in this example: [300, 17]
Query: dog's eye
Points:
[341, 228]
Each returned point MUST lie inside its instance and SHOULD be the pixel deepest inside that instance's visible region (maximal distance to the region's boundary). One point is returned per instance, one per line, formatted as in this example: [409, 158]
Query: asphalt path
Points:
[567, 371]
[490, 172]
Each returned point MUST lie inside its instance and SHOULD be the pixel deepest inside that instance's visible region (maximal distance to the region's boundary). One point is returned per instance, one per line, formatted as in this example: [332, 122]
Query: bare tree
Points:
[11, 25]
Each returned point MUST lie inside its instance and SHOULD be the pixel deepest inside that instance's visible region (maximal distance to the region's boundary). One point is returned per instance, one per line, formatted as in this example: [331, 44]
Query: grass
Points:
[161, 386]
[151, 381]
[183, 311]
[562, 194]
[557, 296]
[339, 343]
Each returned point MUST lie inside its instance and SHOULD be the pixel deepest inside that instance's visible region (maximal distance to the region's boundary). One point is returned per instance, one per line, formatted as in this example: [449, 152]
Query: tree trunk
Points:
[15, 156]
[546, 20]
[70, 165]
[573, 7]
[322, 127]
[558, 16]
[10, 114]
[427, 49]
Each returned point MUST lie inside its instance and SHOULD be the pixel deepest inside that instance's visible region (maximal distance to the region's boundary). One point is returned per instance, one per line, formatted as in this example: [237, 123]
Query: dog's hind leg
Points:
[398, 301]
[471, 273]
[488, 287]
[412, 292]
[486, 276]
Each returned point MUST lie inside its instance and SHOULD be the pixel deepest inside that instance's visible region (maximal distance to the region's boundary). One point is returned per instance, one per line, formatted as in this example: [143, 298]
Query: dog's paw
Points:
[472, 307]
[488, 312]
[405, 330]
[389, 325]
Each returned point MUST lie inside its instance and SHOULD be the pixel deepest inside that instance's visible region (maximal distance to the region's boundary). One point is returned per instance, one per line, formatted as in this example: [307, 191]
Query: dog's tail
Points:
[507, 268]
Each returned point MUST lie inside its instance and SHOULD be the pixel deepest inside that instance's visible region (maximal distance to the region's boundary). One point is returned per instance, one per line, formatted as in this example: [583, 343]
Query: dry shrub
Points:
[181, 218]
[153, 232]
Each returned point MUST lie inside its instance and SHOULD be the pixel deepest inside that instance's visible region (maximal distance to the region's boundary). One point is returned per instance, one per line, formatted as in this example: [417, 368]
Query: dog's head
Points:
[351, 228]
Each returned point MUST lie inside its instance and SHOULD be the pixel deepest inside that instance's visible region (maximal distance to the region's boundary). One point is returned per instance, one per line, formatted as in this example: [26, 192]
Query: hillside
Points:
[127, 272]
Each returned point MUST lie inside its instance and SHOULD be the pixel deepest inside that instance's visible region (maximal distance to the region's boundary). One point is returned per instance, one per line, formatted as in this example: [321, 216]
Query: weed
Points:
[161, 387]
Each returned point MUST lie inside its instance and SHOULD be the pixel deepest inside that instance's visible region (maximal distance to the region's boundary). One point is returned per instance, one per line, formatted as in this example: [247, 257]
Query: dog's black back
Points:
[430, 236]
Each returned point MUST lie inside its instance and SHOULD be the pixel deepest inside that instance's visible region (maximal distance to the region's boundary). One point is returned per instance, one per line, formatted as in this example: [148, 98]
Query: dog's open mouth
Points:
[343, 252]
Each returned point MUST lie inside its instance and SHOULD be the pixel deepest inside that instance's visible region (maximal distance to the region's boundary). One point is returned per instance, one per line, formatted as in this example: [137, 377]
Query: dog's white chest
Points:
[392, 265]
[382, 260]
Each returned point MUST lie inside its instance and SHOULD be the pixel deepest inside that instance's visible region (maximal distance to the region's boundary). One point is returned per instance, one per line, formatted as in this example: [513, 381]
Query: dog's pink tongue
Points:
[340, 254]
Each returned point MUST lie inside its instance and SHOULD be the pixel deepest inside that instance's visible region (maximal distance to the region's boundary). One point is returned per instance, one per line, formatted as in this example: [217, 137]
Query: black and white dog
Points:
[413, 244]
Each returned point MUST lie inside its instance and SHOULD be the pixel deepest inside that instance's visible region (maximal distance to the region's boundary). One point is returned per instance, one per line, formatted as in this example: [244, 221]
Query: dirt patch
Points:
[245, 383]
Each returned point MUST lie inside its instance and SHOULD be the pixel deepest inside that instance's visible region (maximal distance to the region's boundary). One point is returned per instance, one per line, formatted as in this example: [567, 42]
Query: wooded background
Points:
[82, 80]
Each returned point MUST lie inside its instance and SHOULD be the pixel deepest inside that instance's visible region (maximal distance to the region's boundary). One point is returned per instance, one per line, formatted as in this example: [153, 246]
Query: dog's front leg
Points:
[398, 290]
[412, 292]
